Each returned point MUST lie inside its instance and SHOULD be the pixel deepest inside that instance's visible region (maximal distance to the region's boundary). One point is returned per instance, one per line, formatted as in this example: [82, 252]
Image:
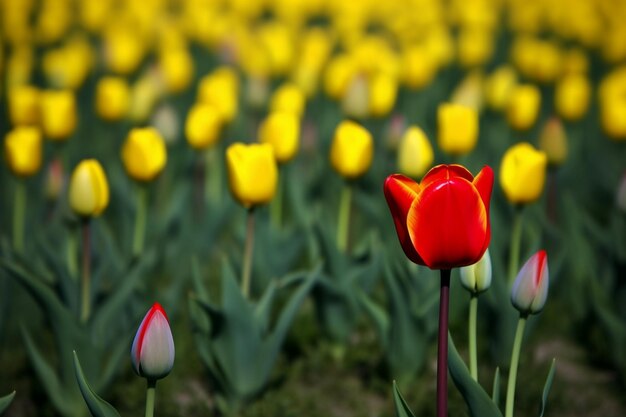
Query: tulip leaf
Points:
[378, 314]
[119, 352]
[547, 386]
[5, 401]
[402, 408]
[477, 400]
[97, 406]
[495, 393]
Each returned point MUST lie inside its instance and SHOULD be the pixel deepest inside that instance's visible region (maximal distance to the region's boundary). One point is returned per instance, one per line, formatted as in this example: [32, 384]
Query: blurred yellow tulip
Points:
[498, 87]
[352, 150]
[252, 173]
[553, 141]
[203, 126]
[355, 102]
[277, 41]
[282, 131]
[112, 98]
[471, 91]
[613, 116]
[457, 127]
[144, 95]
[415, 153]
[144, 154]
[338, 76]
[288, 98]
[88, 189]
[221, 89]
[383, 89]
[523, 106]
[124, 49]
[475, 46]
[177, 69]
[58, 114]
[23, 150]
[571, 96]
[523, 173]
[418, 67]
[23, 104]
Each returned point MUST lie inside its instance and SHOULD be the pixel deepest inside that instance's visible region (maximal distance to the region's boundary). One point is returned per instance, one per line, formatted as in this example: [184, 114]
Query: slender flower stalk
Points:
[85, 292]
[343, 225]
[442, 347]
[150, 395]
[516, 241]
[19, 207]
[517, 345]
[213, 173]
[473, 354]
[276, 206]
[140, 220]
[248, 254]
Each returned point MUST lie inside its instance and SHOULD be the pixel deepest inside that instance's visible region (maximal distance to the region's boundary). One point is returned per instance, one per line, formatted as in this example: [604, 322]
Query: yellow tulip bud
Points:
[177, 69]
[124, 50]
[144, 154]
[523, 173]
[23, 104]
[282, 131]
[339, 73]
[88, 189]
[571, 96]
[419, 67]
[475, 46]
[352, 150]
[499, 86]
[22, 150]
[523, 106]
[252, 173]
[221, 89]
[415, 154]
[613, 116]
[288, 98]
[112, 98]
[203, 126]
[383, 89]
[58, 114]
[457, 128]
[553, 141]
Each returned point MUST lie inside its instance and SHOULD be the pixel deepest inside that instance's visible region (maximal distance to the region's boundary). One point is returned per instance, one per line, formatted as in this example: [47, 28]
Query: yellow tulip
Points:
[22, 150]
[338, 75]
[124, 49]
[144, 154]
[498, 87]
[19, 66]
[352, 150]
[67, 67]
[419, 67]
[470, 92]
[203, 126]
[553, 141]
[112, 98]
[58, 114]
[221, 89]
[575, 61]
[457, 128]
[475, 46]
[355, 102]
[613, 116]
[23, 104]
[144, 95]
[571, 96]
[252, 173]
[88, 189]
[177, 69]
[383, 89]
[277, 41]
[288, 98]
[282, 131]
[523, 106]
[415, 154]
[523, 173]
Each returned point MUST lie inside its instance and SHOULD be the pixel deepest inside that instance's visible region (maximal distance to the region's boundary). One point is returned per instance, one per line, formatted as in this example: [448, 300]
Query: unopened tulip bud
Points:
[89, 189]
[288, 98]
[415, 154]
[553, 141]
[58, 114]
[530, 289]
[112, 98]
[23, 150]
[282, 131]
[457, 128]
[523, 106]
[203, 126]
[351, 152]
[252, 173]
[144, 154]
[476, 278]
[523, 173]
[152, 353]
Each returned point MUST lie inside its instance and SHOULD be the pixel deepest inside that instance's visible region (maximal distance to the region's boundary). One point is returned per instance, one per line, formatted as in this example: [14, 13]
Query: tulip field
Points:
[311, 208]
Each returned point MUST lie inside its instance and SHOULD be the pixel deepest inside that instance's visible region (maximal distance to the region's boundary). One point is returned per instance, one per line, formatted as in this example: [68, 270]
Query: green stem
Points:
[85, 292]
[473, 309]
[248, 252]
[343, 226]
[517, 345]
[150, 395]
[213, 172]
[276, 206]
[516, 241]
[140, 220]
[19, 208]
[72, 249]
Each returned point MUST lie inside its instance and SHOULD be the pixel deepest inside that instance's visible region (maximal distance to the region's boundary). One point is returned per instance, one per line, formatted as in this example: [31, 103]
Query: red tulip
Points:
[444, 221]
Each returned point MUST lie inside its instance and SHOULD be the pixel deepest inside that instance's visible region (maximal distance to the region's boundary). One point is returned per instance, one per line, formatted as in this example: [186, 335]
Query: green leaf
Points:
[495, 393]
[5, 401]
[402, 409]
[477, 400]
[97, 406]
[547, 386]
[379, 315]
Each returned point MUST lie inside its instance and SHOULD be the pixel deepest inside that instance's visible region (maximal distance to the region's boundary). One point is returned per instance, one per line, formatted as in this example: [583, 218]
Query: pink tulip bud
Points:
[530, 289]
[152, 353]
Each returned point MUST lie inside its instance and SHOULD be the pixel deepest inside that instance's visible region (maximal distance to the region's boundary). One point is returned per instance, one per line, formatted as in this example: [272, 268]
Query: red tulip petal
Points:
[448, 223]
[400, 192]
[484, 185]
[444, 172]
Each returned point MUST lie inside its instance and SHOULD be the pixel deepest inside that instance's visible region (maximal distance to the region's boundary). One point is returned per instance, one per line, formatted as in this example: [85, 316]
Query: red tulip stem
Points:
[442, 347]
[85, 290]
[248, 254]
